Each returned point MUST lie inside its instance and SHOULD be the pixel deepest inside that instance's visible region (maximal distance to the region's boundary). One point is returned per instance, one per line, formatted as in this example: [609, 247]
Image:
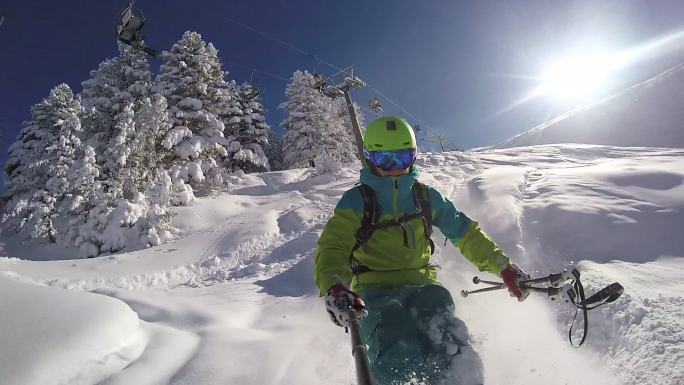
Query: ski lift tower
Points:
[350, 81]
[128, 31]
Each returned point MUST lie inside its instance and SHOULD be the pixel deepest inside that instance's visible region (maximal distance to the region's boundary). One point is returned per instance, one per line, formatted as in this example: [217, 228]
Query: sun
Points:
[577, 77]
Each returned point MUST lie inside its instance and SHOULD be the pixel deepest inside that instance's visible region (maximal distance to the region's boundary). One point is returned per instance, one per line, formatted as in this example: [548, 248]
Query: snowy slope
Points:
[650, 113]
[233, 301]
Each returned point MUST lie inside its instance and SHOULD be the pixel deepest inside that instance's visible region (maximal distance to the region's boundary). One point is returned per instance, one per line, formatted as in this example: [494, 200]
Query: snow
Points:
[232, 300]
[64, 337]
[176, 135]
[643, 334]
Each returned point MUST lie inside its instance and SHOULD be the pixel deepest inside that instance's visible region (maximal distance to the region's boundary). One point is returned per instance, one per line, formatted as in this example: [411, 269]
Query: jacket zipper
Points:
[395, 196]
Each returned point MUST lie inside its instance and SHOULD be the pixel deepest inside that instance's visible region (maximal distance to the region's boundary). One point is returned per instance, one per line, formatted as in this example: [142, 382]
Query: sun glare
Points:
[577, 77]
[585, 76]
[582, 77]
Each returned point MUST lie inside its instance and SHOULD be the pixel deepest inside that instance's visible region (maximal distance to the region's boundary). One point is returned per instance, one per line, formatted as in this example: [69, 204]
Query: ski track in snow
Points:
[233, 301]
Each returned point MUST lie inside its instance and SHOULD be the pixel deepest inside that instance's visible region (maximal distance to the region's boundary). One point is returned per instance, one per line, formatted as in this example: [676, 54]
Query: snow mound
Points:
[641, 335]
[55, 336]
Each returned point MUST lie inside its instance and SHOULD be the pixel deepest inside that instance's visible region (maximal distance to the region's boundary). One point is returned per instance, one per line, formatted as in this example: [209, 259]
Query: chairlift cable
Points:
[257, 70]
[319, 60]
[251, 68]
[280, 41]
[428, 130]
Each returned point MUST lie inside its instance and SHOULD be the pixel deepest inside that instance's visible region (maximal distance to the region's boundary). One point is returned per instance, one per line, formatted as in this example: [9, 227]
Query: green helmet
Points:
[389, 133]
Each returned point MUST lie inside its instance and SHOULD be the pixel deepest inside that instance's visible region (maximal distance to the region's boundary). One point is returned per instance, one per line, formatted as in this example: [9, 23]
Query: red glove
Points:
[512, 275]
[339, 301]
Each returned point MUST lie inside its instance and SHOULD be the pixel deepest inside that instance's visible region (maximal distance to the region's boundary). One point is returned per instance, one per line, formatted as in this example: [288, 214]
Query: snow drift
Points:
[56, 336]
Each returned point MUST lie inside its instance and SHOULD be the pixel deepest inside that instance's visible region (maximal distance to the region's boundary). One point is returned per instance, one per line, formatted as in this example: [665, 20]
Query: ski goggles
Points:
[391, 160]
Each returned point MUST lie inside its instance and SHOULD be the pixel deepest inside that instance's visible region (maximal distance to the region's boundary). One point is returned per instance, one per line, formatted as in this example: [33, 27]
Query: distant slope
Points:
[649, 114]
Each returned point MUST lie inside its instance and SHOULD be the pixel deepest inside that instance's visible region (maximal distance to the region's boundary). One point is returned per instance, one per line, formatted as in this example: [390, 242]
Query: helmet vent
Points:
[391, 125]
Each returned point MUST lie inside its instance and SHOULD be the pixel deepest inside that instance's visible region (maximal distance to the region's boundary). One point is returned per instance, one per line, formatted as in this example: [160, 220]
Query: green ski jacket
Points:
[391, 262]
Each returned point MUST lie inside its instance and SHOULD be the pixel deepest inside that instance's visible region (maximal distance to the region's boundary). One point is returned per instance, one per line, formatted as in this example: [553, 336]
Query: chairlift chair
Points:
[375, 105]
[319, 82]
[332, 92]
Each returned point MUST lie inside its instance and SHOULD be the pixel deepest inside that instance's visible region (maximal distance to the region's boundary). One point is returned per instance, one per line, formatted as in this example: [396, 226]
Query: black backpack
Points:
[371, 220]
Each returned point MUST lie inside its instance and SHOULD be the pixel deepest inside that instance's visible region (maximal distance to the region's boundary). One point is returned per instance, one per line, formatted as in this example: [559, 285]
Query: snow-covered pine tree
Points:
[156, 228]
[248, 132]
[307, 113]
[24, 168]
[147, 153]
[230, 113]
[347, 142]
[346, 119]
[111, 97]
[39, 164]
[61, 154]
[147, 170]
[274, 151]
[86, 193]
[191, 80]
[313, 126]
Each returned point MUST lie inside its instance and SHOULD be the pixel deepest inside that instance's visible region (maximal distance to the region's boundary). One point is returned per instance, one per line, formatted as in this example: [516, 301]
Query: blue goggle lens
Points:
[391, 160]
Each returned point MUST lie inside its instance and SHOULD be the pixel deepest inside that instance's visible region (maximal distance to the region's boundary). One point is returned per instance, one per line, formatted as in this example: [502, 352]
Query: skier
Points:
[377, 246]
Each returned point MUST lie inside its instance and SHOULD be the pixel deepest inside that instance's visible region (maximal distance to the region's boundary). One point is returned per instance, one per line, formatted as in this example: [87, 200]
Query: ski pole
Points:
[359, 352]
[554, 279]
[466, 293]
[477, 280]
[550, 291]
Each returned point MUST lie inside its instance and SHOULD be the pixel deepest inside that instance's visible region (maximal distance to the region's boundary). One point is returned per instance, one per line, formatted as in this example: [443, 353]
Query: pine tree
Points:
[230, 113]
[305, 122]
[314, 127]
[345, 145]
[39, 164]
[112, 97]
[156, 228]
[125, 124]
[41, 215]
[249, 132]
[191, 80]
[86, 193]
[147, 153]
[24, 167]
[274, 151]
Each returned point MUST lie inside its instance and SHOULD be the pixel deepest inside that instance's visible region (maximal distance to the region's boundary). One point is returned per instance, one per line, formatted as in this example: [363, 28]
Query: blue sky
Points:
[452, 65]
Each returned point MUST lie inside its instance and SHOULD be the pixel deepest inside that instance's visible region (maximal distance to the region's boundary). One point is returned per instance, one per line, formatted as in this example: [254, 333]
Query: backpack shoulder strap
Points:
[421, 197]
[371, 215]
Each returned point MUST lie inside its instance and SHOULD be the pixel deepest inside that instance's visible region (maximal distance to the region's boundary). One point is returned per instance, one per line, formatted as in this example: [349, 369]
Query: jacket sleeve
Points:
[467, 235]
[336, 243]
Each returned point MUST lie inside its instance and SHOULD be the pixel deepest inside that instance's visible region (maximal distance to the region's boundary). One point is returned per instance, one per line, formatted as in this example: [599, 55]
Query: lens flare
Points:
[582, 77]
